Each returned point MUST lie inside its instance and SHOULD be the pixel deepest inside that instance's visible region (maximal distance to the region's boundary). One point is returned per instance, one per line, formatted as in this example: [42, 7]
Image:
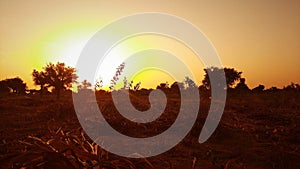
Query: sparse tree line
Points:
[60, 77]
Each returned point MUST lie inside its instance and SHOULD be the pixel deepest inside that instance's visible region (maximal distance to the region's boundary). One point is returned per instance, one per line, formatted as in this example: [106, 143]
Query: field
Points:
[257, 130]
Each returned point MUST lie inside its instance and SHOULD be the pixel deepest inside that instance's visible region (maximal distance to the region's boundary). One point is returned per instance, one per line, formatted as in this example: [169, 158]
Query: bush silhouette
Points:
[241, 86]
[16, 85]
[259, 88]
[177, 85]
[292, 87]
[84, 85]
[232, 76]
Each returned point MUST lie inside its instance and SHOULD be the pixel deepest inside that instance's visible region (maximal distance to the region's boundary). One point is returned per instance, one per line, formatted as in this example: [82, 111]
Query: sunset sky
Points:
[261, 38]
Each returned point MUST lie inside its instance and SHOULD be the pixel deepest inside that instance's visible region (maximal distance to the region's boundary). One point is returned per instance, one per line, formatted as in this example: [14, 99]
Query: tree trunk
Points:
[41, 90]
[58, 93]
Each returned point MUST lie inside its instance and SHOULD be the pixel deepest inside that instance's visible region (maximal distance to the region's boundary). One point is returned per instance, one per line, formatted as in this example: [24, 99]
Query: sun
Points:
[139, 54]
[71, 50]
[65, 44]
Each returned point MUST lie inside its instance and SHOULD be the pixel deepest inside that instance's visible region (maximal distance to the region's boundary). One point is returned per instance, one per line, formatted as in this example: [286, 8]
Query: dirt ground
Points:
[257, 130]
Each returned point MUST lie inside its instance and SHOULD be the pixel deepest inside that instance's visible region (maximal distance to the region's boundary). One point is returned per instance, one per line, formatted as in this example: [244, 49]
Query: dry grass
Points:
[257, 131]
[66, 150]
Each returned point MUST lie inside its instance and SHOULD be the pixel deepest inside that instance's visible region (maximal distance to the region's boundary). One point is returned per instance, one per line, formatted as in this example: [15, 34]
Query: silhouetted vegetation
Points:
[259, 88]
[272, 89]
[292, 87]
[59, 76]
[180, 85]
[14, 85]
[84, 85]
[241, 86]
[137, 86]
[116, 77]
[189, 83]
[259, 127]
[232, 76]
[4, 87]
[40, 79]
[98, 84]
[163, 86]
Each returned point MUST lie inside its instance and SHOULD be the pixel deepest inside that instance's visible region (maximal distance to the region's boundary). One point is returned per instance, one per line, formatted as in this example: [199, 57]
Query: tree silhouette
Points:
[272, 89]
[177, 85]
[4, 87]
[241, 86]
[40, 79]
[292, 87]
[58, 76]
[259, 88]
[189, 83]
[16, 85]
[232, 76]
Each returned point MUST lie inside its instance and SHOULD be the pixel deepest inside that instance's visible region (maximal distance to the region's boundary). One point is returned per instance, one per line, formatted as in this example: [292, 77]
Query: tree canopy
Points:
[189, 83]
[232, 76]
[59, 76]
[40, 79]
[16, 85]
[242, 86]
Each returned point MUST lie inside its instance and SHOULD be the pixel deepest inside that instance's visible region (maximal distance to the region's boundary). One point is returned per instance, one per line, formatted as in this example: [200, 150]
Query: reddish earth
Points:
[259, 131]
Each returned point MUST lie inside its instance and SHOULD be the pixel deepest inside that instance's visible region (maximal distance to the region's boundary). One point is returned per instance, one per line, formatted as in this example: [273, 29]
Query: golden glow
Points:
[260, 38]
[146, 77]
[136, 44]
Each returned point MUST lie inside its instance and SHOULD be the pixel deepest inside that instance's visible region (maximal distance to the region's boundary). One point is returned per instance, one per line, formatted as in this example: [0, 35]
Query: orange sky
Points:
[260, 38]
